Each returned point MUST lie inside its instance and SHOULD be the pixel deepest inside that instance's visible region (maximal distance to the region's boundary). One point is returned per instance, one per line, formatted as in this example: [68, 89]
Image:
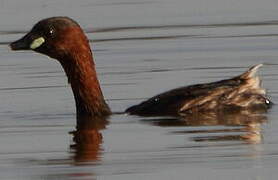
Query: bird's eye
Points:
[50, 32]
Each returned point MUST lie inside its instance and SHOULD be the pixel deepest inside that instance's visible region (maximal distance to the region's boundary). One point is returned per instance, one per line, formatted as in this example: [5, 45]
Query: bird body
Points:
[63, 39]
[240, 92]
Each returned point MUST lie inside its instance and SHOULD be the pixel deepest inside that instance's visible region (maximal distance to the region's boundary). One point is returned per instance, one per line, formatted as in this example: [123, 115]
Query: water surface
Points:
[141, 48]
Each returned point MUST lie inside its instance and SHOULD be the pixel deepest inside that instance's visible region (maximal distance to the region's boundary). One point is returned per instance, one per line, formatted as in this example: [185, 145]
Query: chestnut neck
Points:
[80, 69]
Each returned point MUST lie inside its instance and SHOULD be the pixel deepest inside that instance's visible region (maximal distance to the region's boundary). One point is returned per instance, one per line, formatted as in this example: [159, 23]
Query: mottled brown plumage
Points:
[241, 92]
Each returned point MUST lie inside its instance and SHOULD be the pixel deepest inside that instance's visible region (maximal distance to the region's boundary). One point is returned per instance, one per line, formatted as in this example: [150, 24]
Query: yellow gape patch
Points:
[37, 43]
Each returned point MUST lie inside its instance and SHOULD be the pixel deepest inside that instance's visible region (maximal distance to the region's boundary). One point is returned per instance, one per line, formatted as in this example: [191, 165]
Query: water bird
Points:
[63, 39]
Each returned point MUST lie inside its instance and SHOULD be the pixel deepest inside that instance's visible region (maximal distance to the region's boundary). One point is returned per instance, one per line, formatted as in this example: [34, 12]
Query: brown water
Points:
[141, 48]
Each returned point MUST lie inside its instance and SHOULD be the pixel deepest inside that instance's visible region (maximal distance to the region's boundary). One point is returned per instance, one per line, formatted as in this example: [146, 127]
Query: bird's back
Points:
[240, 92]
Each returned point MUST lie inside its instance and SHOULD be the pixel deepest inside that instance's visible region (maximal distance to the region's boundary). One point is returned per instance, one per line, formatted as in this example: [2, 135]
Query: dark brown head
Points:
[56, 37]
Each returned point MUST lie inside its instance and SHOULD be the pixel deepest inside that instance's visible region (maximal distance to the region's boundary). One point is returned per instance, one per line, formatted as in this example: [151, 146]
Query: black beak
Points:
[21, 44]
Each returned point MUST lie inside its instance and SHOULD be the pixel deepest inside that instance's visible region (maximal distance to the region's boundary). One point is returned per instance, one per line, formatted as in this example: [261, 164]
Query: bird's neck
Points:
[80, 69]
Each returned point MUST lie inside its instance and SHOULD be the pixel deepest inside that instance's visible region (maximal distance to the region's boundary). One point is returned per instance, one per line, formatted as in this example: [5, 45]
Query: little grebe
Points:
[63, 39]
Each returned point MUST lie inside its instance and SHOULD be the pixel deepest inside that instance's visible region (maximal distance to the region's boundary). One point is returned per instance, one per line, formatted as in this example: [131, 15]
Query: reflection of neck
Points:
[86, 145]
[88, 138]
[80, 70]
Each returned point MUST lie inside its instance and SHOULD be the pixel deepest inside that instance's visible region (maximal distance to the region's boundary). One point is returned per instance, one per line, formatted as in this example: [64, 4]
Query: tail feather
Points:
[251, 72]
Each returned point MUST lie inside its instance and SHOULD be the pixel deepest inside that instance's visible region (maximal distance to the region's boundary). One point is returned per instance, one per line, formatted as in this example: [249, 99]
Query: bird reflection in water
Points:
[87, 139]
[244, 125]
